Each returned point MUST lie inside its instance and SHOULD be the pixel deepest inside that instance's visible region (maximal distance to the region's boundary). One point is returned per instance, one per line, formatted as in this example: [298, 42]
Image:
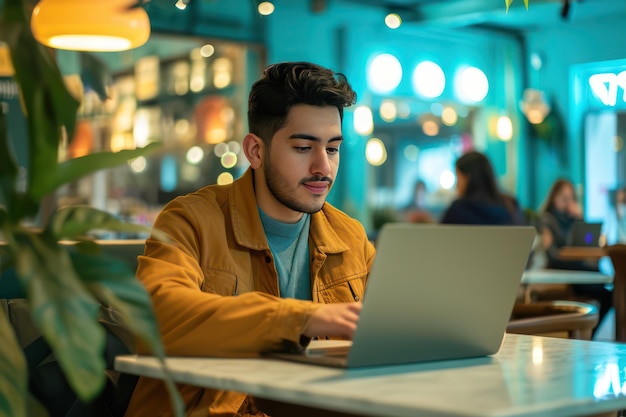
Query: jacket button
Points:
[268, 259]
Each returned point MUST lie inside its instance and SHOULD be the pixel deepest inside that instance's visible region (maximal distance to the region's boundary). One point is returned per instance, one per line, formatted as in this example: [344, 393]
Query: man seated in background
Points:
[264, 263]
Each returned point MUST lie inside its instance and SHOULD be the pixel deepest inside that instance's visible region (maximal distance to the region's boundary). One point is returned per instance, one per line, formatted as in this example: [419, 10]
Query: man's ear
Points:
[254, 149]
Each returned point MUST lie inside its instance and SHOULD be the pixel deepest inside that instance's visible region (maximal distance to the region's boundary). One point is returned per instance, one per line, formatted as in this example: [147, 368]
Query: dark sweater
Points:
[560, 226]
[465, 211]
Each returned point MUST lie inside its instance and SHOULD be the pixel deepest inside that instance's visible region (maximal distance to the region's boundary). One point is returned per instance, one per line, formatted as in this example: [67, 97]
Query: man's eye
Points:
[332, 151]
[302, 148]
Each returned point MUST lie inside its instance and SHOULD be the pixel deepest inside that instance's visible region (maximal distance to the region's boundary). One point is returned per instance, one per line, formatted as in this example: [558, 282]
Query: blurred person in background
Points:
[615, 224]
[479, 200]
[417, 211]
[560, 211]
[620, 214]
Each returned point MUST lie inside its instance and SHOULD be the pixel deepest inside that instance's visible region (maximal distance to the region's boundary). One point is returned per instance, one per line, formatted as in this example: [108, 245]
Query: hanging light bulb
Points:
[95, 25]
[534, 105]
[181, 4]
[266, 8]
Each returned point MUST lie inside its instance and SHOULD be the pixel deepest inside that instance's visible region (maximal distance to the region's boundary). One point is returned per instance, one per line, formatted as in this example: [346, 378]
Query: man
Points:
[264, 263]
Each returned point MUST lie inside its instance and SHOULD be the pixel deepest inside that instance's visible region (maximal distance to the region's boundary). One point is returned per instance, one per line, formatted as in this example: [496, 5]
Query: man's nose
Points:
[321, 164]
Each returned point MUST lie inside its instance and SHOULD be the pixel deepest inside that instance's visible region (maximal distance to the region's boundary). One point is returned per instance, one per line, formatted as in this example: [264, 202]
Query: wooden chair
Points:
[568, 319]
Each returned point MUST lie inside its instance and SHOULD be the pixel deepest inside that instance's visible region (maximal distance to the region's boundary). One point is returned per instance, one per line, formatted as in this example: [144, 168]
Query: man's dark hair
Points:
[287, 84]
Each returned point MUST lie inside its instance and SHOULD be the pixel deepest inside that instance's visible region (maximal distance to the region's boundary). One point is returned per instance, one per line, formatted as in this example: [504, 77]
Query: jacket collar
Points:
[323, 234]
[248, 229]
[244, 213]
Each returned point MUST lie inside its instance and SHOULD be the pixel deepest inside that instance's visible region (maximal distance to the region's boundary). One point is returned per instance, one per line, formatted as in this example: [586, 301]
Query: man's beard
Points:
[289, 199]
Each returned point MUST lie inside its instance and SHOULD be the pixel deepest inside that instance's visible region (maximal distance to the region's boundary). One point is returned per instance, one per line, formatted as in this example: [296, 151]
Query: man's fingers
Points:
[355, 307]
[334, 320]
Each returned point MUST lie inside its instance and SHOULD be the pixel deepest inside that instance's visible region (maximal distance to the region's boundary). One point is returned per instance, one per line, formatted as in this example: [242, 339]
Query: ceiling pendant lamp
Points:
[94, 25]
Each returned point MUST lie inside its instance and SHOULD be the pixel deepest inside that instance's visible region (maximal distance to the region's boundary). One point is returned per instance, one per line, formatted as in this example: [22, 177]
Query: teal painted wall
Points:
[562, 48]
[347, 38]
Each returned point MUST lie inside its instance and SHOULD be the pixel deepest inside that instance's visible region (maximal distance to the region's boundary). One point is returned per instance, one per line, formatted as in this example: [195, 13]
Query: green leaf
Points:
[95, 75]
[8, 165]
[73, 222]
[41, 131]
[63, 311]
[114, 284]
[48, 104]
[508, 3]
[18, 205]
[34, 407]
[13, 372]
[76, 168]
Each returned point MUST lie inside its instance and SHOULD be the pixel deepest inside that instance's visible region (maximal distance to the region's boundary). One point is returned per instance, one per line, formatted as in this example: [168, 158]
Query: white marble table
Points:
[529, 376]
[562, 276]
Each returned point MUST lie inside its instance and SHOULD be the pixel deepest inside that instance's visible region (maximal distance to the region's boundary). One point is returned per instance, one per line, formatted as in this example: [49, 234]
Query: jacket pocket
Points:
[220, 282]
[346, 291]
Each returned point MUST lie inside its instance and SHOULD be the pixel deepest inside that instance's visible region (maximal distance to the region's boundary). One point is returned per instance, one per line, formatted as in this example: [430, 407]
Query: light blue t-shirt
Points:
[289, 243]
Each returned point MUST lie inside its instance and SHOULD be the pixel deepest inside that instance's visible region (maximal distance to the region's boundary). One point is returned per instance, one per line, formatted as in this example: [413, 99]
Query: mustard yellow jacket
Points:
[215, 287]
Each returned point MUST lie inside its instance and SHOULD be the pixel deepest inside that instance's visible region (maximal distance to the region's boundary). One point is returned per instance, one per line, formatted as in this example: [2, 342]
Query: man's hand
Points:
[334, 320]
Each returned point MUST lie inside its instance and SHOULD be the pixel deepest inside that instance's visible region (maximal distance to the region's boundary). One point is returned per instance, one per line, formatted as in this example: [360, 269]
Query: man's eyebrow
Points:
[314, 138]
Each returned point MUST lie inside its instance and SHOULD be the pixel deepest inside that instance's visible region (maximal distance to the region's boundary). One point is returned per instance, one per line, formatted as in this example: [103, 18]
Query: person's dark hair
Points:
[287, 84]
[556, 188]
[481, 180]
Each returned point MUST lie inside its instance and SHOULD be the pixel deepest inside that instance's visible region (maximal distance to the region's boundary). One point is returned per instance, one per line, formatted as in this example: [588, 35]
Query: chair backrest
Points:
[572, 319]
[617, 253]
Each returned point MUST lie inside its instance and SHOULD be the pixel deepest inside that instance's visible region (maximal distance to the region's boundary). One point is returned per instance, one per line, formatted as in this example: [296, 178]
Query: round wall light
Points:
[384, 73]
[375, 152]
[471, 85]
[428, 79]
[447, 179]
[393, 21]
[363, 120]
[388, 110]
[449, 116]
[504, 128]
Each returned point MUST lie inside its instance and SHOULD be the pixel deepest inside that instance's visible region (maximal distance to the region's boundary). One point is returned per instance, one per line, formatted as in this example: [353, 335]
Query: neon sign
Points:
[605, 87]
[609, 382]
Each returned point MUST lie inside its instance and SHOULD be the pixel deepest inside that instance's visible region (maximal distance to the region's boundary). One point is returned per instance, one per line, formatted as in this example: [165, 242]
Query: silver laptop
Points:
[435, 292]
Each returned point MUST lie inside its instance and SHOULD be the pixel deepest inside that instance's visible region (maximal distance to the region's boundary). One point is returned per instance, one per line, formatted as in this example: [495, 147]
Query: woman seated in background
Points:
[479, 199]
[560, 211]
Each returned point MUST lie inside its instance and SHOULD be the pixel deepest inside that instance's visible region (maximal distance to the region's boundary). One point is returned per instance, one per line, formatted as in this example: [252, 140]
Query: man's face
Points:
[301, 163]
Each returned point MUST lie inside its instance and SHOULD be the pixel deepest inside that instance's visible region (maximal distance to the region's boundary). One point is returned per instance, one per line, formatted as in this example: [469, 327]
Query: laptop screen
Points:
[585, 234]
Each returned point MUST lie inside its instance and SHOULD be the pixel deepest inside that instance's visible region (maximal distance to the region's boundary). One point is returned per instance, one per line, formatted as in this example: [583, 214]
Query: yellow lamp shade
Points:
[94, 25]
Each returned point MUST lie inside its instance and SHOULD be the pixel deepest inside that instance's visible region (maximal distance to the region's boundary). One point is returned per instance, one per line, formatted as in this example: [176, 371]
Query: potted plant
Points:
[64, 288]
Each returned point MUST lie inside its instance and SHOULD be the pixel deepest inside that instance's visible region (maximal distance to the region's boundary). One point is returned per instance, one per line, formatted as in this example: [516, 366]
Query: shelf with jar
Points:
[192, 101]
